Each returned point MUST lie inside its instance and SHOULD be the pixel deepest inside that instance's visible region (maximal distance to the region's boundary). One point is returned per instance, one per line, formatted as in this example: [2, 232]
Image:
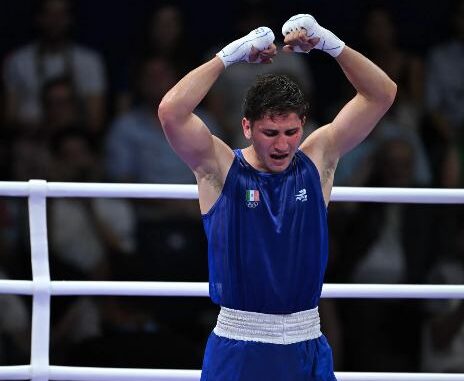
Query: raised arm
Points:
[375, 94]
[186, 133]
[375, 90]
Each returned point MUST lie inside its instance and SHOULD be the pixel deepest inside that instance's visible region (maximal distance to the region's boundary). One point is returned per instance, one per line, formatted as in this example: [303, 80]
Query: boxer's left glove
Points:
[328, 42]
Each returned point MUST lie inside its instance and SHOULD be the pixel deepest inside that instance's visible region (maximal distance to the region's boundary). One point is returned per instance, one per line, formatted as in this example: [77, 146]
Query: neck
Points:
[252, 158]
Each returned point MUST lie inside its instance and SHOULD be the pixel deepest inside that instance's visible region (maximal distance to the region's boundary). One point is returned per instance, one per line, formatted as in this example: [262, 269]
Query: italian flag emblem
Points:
[252, 195]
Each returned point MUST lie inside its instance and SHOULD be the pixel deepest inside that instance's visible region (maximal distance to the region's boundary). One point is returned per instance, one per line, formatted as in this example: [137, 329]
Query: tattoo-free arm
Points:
[375, 94]
[187, 133]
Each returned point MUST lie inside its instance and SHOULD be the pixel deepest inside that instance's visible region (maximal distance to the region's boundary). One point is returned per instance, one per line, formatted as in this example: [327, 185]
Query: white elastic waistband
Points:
[267, 328]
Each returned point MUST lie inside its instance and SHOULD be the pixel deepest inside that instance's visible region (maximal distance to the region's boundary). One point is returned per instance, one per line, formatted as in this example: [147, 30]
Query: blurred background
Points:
[81, 81]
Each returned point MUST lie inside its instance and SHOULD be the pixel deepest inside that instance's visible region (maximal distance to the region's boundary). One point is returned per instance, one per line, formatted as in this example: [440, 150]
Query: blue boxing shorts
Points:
[246, 348]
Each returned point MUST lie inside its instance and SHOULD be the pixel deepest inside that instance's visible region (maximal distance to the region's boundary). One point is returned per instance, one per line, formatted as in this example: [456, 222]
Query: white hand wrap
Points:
[328, 42]
[239, 50]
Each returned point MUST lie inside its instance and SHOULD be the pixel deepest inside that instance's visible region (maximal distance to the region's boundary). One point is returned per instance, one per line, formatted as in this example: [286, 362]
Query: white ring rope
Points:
[41, 287]
[175, 191]
[329, 290]
[64, 373]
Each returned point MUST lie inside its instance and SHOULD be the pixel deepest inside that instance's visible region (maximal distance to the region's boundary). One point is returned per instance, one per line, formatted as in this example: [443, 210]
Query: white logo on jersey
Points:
[252, 204]
[301, 195]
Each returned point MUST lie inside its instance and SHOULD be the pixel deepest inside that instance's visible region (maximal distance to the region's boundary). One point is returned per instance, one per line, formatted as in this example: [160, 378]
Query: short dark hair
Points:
[273, 95]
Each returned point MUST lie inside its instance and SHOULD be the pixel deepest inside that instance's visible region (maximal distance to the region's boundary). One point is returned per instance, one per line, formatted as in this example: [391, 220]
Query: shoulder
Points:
[319, 146]
[211, 178]
[217, 168]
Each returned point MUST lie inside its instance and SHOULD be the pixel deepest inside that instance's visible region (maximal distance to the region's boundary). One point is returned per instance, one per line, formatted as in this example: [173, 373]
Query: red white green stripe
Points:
[252, 195]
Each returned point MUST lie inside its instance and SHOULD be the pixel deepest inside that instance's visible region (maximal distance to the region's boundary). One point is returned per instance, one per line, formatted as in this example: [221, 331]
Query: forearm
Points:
[367, 78]
[302, 34]
[184, 97]
[179, 103]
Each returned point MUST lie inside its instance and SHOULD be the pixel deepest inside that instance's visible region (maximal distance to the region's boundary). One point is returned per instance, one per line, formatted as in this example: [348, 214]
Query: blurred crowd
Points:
[75, 112]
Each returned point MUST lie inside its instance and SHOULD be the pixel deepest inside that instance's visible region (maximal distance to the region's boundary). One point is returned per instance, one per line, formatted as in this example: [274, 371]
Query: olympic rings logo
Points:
[252, 204]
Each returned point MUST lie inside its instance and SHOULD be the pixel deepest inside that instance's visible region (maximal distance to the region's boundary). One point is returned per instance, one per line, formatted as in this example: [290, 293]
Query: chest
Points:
[278, 201]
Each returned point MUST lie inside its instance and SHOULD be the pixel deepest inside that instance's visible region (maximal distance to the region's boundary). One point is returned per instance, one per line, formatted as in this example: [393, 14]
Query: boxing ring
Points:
[42, 288]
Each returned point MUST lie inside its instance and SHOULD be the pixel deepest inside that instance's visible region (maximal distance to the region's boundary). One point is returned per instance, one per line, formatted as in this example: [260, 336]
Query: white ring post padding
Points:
[40, 335]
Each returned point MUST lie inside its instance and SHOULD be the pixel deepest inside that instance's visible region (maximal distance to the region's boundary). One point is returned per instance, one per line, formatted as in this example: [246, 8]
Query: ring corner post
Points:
[40, 334]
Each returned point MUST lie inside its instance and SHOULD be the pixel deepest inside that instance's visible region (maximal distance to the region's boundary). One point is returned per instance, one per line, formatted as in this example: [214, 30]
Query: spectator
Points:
[60, 107]
[15, 326]
[403, 120]
[155, 41]
[84, 235]
[168, 16]
[444, 130]
[443, 331]
[136, 150]
[402, 65]
[85, 231]
[55, 53]
[388, 243]
[15, 323]
[170, 242]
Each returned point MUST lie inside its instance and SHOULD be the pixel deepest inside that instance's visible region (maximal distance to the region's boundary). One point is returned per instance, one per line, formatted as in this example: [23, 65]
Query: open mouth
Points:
[279, 157]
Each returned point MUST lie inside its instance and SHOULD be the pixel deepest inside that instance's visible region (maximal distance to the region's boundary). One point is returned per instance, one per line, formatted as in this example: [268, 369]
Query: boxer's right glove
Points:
[328, 42]
[241, 49]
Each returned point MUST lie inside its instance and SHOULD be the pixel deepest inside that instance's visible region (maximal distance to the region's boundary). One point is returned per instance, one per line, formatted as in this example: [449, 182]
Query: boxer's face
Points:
[275, 140]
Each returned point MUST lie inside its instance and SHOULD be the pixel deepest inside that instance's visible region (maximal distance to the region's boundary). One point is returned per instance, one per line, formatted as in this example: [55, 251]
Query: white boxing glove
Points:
[239, 50]
[328, 42]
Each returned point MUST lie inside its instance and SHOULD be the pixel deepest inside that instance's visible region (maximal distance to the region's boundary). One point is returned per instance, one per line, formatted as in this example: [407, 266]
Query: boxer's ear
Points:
[246, 125]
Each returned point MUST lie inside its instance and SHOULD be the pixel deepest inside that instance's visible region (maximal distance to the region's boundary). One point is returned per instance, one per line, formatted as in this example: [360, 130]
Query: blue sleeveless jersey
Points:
[267, 238]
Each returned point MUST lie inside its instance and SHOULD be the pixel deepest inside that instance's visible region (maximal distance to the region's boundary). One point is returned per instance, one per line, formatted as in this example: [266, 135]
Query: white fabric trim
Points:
[268, 328]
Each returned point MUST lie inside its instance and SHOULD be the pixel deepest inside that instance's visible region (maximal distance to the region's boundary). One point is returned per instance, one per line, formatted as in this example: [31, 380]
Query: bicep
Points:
[191, 140]
[354, 123]
[350, 127]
